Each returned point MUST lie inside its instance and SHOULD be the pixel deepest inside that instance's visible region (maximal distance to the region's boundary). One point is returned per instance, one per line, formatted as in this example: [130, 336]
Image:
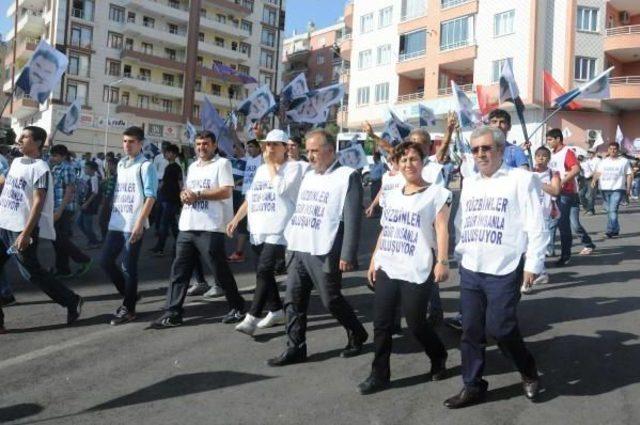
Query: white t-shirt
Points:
[17, 197]
[271, 202]
[389, 184]
[432, 171]
[128, 197]
[545, 199]
[613, 173]
[499, 220]
[250, 171]
[160, 162]
[206, 215]
[467, 166]
[408, 238]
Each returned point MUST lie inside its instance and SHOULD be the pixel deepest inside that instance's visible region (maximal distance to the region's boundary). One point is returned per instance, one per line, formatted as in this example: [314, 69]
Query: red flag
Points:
[488, 99]
[553, 90]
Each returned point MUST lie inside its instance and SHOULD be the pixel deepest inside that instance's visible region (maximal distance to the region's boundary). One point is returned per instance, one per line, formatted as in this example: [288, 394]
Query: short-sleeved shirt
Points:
[149, 175]
[108, 186]
[570, 161]
[170, 189]
[613, 173]
[63, 176]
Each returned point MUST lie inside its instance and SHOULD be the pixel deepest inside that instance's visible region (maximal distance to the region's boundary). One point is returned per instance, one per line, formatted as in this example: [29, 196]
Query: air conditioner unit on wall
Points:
[624, 17]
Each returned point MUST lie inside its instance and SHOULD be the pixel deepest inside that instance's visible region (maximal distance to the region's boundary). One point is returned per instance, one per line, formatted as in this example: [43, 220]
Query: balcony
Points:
[28, 4]
[216, 100]
[173, 38]
[458, 57]
[22, 107]
[31, 23]
[623, 43]
[142, 83]
[222, 52]
[24, 50]
[224, 28]
[447, 91]
[229, 7]
[299, 55]
[82, 15]
[345, 44]
[410, 97]
[166, 62]
[177, 11]
[625, 92]
[152, 112]
[412, 64]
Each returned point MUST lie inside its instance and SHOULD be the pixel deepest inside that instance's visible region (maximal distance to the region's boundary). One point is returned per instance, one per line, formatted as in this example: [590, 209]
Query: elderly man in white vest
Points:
[501, 241]
[323, 236]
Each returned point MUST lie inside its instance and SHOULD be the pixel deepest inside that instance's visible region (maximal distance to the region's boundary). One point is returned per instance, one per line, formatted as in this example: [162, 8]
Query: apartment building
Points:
[406, 52]
[142, 62]
[316, 53]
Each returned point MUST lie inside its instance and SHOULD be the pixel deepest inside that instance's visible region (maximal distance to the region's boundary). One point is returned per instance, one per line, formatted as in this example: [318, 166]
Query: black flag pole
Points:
[520, 111]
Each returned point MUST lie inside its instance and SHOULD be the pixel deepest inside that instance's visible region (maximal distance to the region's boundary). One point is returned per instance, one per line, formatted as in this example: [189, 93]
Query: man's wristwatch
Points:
[443, 262]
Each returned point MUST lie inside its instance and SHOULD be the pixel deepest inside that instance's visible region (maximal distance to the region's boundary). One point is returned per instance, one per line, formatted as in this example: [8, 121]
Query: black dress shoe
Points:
[435, 318]
[531, 387]
[354, 346]
[466, 397]
[289, 356]
[373, 385]
[439, 369]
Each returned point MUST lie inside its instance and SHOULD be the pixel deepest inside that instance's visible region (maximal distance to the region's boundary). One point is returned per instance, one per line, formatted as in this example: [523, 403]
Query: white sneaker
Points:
[198, 289]
[215, 292]
[248, 325]
[542, 279]
[271, 319]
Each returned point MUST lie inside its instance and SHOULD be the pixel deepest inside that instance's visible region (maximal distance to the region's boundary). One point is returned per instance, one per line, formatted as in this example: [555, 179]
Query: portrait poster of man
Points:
[353, 157]
[313, 107]
[295, 89]
[43, 72]
[71, 119]
[259, 103]
[467, 117]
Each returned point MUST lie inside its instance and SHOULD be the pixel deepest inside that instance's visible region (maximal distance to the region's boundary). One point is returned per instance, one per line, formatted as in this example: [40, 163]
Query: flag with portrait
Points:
[43, 72]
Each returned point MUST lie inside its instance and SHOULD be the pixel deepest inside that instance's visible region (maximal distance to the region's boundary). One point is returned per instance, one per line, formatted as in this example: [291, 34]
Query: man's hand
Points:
[57, 215]
[231, 228]
[529, 278]
[188, 197]
[440, 273]
[452, 121]
[345, 266]
[366, 128]
[594, 183]
[369, 211]
[371, 274]
[22, 242]
[136, 233]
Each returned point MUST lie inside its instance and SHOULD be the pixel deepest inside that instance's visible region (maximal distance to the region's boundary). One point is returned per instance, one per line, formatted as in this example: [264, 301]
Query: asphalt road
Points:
[582, 329]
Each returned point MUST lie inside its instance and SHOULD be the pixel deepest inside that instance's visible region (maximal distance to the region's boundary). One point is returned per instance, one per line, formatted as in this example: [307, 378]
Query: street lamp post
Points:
[106, 124]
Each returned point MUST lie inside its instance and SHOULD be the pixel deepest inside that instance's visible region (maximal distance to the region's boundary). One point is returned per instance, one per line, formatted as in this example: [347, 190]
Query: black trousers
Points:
[266, 293]
[305, 272]
[489, 306]
[64, 248]
[31, 269]
[413, 299]
[209, 248]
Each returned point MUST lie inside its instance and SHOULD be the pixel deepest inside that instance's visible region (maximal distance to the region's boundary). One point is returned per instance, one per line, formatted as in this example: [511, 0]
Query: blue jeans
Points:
[612, 199]
[636, 187]
[577, 228]
[125, 279]
[552, 225]
[85, 222]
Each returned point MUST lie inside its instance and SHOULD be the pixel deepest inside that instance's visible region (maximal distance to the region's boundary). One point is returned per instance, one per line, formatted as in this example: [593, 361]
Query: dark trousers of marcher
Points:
[168, 223]
[31, 269]
[64, 248]
[266, 293]
[209, 248]
[104, 216]
[489, 305]
[413, 298]
[126, 278]
[565, 203]
[304, 273]
[587, 195]
[85, 222]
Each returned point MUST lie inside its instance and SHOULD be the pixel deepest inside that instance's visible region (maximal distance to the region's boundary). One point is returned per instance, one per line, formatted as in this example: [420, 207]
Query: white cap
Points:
[276, 135]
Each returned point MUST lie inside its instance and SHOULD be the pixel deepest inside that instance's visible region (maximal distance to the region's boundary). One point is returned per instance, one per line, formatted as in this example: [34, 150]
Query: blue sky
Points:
[299, 13]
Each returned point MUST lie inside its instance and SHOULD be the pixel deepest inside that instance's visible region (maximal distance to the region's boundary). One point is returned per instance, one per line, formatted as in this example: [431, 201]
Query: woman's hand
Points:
[440, 273]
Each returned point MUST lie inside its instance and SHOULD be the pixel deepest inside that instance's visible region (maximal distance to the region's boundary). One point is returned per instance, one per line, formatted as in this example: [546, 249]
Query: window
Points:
[83, 9]
[147, 48]
[382, 92]
[412, 45]
[247, 26]
[145, 74]
[320, 59]
[364, 59]
[503, 23]
[221, 18]
[219, 41]
[366, 23]
[384, 55]
[244, 69]
[384, 18]
[173, 28]
[199, 61]
[245, 48]
[497, 68]
[363, 96]
[587, 19]
[167, 105]
[196, 111]
[170, 53]
[269, 16]
[126, 71]
[79, 65]
[585, 68]
[112, 68]
[216, 89]
[412, 9]
[124, 99]
[456, 33]
[203, 12]
[131, 17]
[174, 3]
[266, 59]
[168, 80]
[266, 79]
[148, 22]
[143, 101]
[268, 37]
[82, 36]
[76, 90]
[248, 4]
[110, 95]
[319, 79]
[116, 13]
[200, 36]
[114, 40]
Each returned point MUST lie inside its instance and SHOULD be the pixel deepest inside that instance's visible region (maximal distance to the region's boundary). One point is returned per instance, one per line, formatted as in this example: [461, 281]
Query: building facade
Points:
[142, 62]
[406, 52]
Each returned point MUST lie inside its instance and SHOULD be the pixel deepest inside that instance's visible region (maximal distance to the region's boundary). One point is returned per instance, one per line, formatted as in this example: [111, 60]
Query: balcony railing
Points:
[447, 91]
[81, 14]
[629, 29]
[631, 79]
[174, 58]
[455, 45]
[413, 15]
[410, 97]
[411, 55]
[445, 4]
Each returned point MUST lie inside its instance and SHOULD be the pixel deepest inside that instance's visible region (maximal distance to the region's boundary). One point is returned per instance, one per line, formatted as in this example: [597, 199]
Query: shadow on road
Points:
[19, 411]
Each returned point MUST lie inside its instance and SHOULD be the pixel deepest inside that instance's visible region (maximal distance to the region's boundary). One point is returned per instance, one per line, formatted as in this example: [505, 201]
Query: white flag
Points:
[71, 119]
[43, 72]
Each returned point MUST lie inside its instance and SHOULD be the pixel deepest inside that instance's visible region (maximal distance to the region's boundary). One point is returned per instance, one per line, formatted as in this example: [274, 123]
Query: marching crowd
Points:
[303, 215]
